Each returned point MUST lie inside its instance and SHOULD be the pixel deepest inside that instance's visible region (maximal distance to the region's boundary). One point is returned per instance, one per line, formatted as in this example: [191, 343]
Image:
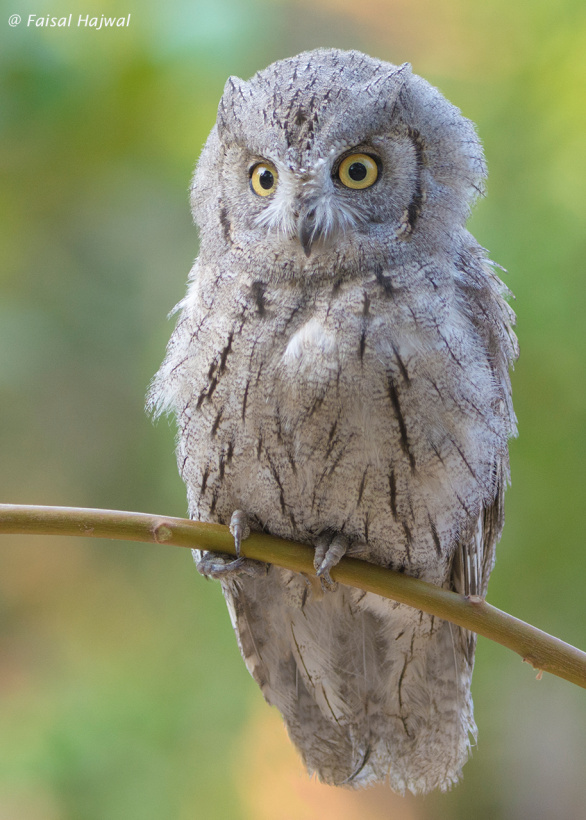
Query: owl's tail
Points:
[370, 690]
[381, 697]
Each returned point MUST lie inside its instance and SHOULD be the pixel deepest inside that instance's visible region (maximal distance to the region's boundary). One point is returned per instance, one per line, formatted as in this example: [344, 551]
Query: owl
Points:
[339, 374]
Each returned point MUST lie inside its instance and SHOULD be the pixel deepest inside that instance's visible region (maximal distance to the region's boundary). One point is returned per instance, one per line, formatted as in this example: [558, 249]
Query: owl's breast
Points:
[351, 408]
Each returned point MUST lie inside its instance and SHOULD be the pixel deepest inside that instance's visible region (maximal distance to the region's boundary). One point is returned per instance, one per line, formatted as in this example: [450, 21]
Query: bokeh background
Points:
[122, 694]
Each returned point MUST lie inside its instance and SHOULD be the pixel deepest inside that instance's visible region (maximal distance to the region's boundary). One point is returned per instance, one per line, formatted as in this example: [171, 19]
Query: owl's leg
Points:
[220, 566]
[329, 548]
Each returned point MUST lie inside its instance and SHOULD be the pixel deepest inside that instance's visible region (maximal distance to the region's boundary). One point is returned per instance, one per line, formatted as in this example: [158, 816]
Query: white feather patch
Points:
[311, 339]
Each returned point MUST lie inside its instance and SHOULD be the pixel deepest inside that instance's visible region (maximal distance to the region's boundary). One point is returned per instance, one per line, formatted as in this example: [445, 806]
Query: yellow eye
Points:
[358, 171]
[263, 178]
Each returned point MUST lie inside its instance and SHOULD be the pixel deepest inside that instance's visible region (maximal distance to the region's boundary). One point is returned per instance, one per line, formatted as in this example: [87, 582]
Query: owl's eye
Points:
[263, 178]
[358, 171]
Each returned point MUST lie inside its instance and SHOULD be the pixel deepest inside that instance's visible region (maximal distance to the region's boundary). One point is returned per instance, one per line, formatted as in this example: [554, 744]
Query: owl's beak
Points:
[307, 230]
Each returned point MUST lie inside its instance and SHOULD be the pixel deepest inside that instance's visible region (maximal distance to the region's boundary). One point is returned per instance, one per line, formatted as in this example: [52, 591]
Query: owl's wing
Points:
[474, 558]
[256, 612]
[475, 554]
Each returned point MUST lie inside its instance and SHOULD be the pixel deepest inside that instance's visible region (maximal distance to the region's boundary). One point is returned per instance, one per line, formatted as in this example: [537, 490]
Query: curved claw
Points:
[329, 548]
[232, 565]
[239, 528]
[214, 565]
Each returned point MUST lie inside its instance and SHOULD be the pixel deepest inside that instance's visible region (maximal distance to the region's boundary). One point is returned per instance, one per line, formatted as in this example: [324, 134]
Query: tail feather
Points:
[366, 695]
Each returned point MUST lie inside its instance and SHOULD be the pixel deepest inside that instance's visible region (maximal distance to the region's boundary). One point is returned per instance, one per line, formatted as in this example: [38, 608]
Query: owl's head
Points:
[334, 153]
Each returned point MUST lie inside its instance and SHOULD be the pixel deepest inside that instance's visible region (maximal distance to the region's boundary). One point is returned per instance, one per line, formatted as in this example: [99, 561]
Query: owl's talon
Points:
[222, 567]
[219, 566]
[329, 548]
[239, 528]
[232, 566]
[327, 582]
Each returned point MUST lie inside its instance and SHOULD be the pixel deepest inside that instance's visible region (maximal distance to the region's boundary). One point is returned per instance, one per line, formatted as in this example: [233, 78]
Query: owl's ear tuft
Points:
[235, 97]
[374, 100]
[405, 70]
[392, 83]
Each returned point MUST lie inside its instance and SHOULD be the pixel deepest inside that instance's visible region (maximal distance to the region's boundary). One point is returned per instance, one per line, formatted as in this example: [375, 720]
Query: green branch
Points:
[542, 651]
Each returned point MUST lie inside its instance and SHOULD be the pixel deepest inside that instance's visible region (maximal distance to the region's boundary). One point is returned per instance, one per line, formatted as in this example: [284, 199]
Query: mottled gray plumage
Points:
[339, 372]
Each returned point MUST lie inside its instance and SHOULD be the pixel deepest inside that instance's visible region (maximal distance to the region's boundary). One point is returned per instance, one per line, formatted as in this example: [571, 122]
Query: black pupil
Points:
[357, 171]
[266, 179]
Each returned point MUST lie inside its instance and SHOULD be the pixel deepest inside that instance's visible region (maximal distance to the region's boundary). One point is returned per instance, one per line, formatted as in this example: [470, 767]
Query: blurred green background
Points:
[122, 694]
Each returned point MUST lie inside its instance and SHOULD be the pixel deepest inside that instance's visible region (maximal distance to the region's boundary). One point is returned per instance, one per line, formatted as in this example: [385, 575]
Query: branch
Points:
[542, 651]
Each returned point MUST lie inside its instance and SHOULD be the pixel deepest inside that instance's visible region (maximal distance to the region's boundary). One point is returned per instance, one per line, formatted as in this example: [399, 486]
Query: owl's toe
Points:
[239, 528]
[216, 565]
[329, 548]
[223, 567]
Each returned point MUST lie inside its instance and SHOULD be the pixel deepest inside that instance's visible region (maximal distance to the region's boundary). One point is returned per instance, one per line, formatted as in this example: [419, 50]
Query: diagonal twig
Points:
[542, 651]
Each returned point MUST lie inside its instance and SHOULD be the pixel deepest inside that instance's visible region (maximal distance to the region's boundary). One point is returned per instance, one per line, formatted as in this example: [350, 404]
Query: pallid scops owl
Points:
[340, 377]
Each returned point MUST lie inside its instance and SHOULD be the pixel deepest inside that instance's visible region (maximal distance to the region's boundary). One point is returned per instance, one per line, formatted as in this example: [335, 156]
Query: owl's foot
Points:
[329, 548]
[223, 567]
[220, 566]
[216, 564]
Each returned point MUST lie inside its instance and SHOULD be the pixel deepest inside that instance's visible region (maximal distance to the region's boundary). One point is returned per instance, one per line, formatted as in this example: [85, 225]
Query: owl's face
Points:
[331, 154]
[328, 195]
